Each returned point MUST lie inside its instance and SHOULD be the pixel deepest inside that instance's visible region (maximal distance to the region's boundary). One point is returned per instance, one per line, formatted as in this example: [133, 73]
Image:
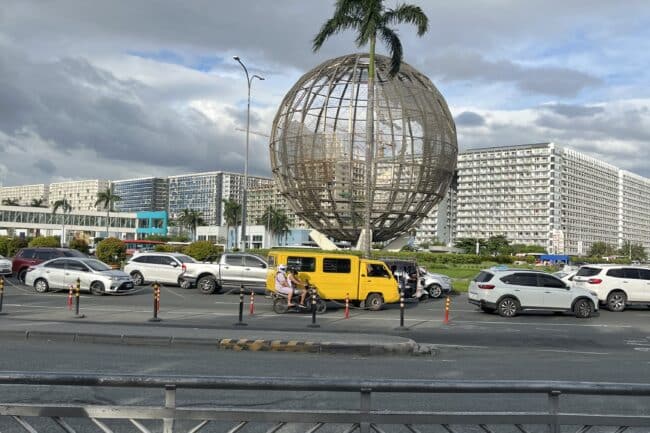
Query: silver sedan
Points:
[94, 276]
[5, 266]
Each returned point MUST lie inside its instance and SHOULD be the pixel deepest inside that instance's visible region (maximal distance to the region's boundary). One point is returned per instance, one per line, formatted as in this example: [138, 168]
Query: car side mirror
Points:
[174, 264]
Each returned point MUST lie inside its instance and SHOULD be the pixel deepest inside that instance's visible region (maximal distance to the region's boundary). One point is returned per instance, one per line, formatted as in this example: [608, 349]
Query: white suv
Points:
[616, 285]
[166, 268]
[510, 291]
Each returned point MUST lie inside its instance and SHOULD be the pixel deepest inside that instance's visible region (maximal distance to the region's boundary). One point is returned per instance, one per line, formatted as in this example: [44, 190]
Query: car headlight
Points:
[115, 278]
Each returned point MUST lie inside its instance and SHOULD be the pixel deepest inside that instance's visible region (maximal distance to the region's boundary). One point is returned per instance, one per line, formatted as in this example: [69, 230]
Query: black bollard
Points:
[77, 297]
[156, 302]
[2, 294]
[401, 312]
[241, 307]
[313, 309]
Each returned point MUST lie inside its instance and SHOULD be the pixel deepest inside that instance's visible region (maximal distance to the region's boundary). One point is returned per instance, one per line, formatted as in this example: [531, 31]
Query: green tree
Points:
[202, 250]
[371, 19]
[79, 245]
[468, 245]
[14, 245]
[632, 251]
[498, 245]
[45, 241]
[10, 202]
[601, 249]
[65, 207]
[276, 222]
[232, 215]
[38, 202]
[111, 251]
[191, 219]
[4, 245]
[106, 199]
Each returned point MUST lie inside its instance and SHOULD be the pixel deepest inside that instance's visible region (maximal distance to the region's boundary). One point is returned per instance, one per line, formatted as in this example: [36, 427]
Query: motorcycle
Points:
[280, 303]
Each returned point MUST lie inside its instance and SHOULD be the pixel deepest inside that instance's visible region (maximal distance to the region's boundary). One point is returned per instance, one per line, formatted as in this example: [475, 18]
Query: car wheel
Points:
[41, 285]
[374, 302]
[21, 275]
[488, 310]
[434, 291]
[616, 301]
[508, 307]
[280, 305]
[583, 309]
[207, 285]
[97, 288]
[137, 277]
[184, 284]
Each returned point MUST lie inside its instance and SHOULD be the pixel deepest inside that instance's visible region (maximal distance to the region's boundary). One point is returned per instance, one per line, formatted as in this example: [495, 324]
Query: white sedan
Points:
[94, 276]
[5, 266]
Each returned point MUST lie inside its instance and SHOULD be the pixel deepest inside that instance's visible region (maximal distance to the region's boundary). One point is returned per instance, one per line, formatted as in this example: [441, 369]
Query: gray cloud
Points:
[469, 66]
[572, 111]
[45, 166]
[468, 118]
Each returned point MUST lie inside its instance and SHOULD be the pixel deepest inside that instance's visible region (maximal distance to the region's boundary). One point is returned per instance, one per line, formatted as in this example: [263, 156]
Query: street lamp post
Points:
[249, 80]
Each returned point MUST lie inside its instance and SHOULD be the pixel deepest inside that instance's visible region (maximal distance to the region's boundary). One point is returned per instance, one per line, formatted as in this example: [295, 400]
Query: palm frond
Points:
[409, 14]
[394, 45]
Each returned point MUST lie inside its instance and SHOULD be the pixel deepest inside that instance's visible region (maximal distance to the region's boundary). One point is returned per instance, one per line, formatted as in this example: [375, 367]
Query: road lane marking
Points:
[572, 351]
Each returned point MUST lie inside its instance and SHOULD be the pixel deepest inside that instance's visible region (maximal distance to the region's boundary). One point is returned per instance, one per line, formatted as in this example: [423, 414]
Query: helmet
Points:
[282, 268]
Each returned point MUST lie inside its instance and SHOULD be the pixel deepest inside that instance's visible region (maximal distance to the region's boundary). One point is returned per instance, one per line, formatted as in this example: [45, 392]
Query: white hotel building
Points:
[544, 194]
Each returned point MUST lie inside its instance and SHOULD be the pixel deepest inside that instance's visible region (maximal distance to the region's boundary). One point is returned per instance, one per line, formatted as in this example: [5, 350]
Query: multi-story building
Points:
[25, 195]
[143, 194]
[259, 200]
[543, 194]
[439, 225]
[81, 195]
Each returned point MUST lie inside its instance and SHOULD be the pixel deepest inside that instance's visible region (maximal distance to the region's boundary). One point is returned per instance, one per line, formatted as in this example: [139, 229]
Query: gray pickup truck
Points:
[232, 270]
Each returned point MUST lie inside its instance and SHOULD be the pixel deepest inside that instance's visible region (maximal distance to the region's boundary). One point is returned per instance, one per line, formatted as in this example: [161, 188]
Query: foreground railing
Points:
[31, 417]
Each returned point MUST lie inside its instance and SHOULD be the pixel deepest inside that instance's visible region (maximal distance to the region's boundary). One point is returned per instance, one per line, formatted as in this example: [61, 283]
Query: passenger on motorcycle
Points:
[295, 282]
[282, 284]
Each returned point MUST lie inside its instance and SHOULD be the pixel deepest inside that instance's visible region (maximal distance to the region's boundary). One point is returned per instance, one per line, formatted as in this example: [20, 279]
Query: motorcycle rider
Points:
[282, 284]
[295, 282]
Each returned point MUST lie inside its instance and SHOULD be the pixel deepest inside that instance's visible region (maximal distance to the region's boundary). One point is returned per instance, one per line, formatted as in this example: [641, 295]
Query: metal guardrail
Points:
[363, 419]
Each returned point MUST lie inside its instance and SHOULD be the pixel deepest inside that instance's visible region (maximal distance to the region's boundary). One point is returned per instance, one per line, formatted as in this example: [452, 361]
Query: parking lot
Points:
[424, 321]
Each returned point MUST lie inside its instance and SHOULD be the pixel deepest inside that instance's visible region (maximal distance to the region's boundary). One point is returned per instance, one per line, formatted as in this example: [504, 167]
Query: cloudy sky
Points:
[121, 89]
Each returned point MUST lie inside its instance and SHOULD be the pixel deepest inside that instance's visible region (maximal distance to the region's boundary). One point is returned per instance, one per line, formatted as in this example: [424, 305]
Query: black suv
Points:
[26, 257]
[406, 274]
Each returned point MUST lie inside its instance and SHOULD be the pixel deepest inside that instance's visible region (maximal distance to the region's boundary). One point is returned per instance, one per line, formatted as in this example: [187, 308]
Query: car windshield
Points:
[96, 265]
[185, 259]
[587, 272]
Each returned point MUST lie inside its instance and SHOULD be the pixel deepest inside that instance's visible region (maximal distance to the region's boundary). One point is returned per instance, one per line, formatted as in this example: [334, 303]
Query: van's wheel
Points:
[97, 288]
[616, 301]
[434, 291]
[583, 309]
[280, 305]
[508, 307]
[41, 285]
[321, 306]
[137, 278]
[374, 302]
[207, 284]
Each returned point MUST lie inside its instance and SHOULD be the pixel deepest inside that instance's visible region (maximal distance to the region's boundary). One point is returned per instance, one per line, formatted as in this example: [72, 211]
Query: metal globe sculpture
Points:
[318, 148]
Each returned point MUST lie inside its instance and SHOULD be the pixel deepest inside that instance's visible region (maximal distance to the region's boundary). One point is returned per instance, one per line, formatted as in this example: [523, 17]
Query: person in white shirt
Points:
[282, 284]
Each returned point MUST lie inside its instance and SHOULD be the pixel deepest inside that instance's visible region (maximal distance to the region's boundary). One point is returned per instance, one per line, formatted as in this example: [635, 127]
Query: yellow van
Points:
[338, 275]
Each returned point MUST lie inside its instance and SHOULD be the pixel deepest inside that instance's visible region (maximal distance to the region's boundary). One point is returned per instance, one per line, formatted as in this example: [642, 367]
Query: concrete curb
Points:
[408, 347]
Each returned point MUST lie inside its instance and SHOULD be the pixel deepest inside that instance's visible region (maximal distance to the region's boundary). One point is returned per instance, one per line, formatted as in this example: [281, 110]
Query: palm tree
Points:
[371, 19]
[106, 199]
[191, 218]
[37, 202]
[10, 202]
[232, 215]
[64, 205]
[276, 221]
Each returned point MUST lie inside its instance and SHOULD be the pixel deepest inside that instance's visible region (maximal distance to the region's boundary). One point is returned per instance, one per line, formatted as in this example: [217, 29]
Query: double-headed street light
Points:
[249, 80]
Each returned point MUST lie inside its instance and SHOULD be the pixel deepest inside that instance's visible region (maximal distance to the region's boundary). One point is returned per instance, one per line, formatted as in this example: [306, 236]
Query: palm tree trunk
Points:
[370, 146]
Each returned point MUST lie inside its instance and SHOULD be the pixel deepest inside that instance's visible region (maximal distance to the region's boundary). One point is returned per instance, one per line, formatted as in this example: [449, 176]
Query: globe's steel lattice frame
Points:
[318, 147]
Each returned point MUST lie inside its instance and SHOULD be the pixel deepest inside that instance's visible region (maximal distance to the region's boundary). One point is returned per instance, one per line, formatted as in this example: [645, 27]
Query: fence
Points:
[361, 418]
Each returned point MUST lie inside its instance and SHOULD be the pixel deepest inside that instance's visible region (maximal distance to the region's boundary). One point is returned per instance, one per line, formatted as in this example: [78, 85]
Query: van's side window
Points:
[339, 266]
[303, 264]
[375, 270]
